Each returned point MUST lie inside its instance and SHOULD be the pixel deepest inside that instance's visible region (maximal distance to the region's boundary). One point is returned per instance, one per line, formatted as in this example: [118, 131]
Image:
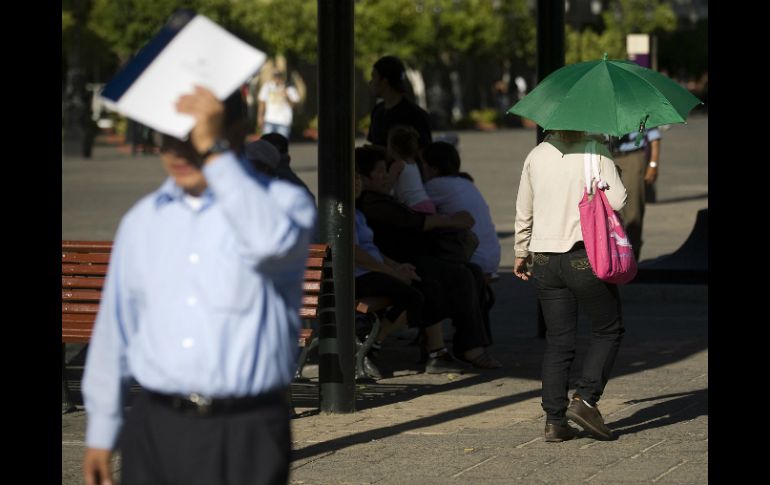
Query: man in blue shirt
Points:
[200, 307]
[636, 173]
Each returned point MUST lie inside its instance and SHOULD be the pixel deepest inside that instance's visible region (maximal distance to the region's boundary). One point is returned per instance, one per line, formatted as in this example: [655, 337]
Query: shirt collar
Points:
[170, 192]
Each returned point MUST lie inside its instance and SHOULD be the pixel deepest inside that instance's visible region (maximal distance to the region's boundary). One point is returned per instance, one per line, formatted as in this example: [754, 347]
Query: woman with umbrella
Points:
[548, 234]
[610, 97]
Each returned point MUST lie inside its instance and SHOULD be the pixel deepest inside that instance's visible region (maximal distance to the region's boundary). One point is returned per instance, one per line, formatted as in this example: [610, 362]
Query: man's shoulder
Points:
[149, 202]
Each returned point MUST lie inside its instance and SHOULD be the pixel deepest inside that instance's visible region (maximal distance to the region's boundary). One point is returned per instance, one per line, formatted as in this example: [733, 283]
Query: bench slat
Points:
[84, 269]
[308, 313]
[310, 300]
[313, 275]
[81, 295]
[318, 250]
[100, 258]
[78, 319]
[76, 282]
[311, 287]
[79, 308]
[314, 263]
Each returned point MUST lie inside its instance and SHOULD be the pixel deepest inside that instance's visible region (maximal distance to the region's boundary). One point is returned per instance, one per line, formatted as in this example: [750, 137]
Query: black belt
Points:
[197, 405]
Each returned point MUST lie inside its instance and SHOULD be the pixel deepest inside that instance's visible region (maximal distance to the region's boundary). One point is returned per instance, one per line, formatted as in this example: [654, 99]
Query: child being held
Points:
[403, 153]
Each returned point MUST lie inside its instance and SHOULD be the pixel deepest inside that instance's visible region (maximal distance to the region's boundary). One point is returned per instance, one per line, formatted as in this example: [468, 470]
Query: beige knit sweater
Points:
[552, 183]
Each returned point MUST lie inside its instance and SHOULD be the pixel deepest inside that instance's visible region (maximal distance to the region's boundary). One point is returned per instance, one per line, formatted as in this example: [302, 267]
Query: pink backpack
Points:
[609, 251]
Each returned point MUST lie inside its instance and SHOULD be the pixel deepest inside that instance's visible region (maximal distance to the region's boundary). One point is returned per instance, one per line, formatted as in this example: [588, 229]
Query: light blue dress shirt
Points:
[200, 300]
[364, 238]
[628, 144]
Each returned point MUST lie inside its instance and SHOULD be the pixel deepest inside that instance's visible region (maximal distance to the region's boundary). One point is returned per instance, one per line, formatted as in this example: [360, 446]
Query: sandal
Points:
[483, 361]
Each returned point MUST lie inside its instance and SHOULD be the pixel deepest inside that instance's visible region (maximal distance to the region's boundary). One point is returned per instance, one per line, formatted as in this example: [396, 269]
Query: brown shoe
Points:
[589, 418]
[555, 432]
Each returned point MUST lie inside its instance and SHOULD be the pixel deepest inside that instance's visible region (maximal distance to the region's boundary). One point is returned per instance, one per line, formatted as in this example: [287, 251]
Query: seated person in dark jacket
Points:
[405, 235]
[379, 276]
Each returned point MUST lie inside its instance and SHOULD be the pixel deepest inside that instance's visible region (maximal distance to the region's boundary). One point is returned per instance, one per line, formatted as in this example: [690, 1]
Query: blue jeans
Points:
[564, 281]
[275, 128]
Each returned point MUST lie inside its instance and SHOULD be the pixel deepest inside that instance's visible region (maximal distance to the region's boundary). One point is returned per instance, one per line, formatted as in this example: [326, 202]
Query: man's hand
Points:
[96, 467]
[651, 175]
[520, 268]
[209, 114]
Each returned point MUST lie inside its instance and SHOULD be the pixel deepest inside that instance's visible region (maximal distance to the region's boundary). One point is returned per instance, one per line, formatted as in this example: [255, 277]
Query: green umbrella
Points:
[612, 97]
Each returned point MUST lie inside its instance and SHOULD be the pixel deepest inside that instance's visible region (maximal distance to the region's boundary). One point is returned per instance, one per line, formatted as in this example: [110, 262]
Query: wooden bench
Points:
[84, 267]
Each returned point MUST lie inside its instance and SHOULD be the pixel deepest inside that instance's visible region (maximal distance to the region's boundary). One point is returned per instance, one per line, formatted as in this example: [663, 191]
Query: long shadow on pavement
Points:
[685, 407]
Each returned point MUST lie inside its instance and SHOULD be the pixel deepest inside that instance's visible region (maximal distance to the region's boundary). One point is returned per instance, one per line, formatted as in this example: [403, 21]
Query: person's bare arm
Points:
[651, 174]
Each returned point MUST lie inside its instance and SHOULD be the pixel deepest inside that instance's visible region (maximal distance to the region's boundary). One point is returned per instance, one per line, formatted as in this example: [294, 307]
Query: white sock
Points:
[586, 403]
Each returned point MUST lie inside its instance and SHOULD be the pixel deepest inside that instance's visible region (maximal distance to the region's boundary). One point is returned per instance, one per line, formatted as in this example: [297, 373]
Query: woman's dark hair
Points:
[404, 141]
[367, 157]
[443, 157]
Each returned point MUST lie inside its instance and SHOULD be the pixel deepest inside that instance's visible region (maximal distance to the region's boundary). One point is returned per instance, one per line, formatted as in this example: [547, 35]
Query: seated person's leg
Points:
[461, 295]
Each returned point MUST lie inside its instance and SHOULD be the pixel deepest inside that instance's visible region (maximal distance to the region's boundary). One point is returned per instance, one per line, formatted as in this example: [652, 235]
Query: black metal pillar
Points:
[76, 137]
[550, 57]
[336, 142]
[550, 41]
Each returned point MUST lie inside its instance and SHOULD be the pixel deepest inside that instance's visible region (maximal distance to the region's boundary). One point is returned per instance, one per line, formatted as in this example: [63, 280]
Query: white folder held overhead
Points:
[190, 49]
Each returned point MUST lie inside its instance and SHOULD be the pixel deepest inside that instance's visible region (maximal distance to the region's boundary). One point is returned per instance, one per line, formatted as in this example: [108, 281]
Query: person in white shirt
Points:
[453, 191]
[276, 104]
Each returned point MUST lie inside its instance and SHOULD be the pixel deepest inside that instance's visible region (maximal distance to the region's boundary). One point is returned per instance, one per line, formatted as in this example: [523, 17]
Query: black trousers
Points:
[404, 297]
[164, 446]
[460, 296]
[564, 281]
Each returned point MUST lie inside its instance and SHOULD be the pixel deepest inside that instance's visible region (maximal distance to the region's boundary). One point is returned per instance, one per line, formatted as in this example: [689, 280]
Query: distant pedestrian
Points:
[276, 105]
[389, 83]
[638, 163]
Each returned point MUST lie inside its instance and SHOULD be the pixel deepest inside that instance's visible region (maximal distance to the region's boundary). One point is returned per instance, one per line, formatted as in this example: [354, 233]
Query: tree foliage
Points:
[280, 26]
[622, 17]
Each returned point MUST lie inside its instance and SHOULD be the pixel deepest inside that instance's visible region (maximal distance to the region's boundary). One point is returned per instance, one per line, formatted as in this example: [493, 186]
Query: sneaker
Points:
[588, 417]
[557, 432]
[444, 363]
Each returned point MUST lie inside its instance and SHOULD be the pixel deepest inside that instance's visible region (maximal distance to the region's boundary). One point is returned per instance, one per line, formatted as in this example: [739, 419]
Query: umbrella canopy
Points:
[606, 96]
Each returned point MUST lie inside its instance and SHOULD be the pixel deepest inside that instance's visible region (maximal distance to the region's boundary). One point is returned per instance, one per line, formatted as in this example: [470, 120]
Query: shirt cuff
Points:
[102, 431]
[521, 253]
